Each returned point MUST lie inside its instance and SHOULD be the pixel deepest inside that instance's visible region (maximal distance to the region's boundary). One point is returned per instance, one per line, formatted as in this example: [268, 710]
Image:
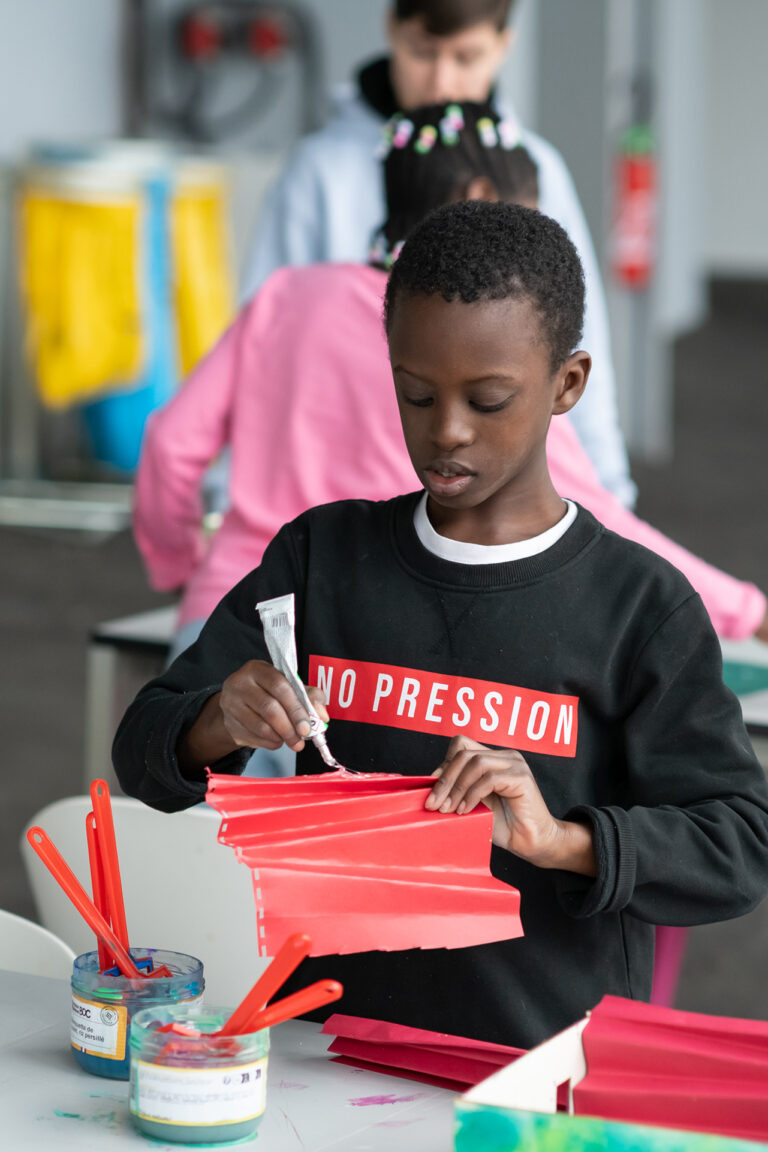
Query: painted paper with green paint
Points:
[482, 1128]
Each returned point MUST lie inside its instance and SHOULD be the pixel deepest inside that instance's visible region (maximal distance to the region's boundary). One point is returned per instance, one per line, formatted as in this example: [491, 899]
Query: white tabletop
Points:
[47, 1102]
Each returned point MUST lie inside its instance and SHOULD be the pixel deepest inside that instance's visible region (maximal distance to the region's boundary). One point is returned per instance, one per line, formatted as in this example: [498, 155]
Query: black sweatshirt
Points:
[595, 658]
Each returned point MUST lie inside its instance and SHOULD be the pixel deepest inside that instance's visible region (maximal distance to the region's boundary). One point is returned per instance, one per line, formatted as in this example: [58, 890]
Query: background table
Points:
[745, 671]
[313, 1104]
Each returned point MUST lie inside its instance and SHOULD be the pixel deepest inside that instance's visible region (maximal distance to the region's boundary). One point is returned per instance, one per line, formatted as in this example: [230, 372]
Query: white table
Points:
[47, 1102]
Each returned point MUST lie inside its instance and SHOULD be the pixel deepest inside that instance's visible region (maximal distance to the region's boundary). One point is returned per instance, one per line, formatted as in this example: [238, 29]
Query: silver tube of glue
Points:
[278, 619]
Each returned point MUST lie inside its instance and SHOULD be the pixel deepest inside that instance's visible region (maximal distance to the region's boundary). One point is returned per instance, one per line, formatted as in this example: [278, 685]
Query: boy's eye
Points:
[418, 401]
[478, 407]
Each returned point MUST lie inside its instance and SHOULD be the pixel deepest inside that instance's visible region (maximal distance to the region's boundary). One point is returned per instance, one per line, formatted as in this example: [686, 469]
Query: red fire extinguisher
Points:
[633, 241]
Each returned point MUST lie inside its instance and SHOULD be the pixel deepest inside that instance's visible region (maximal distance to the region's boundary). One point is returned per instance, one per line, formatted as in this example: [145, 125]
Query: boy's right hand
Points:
[260, 709]
[256, 708]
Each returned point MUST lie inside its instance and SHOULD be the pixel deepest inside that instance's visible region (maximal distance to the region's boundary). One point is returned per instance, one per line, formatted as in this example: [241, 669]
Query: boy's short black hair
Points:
[492, 251]
[446, 17]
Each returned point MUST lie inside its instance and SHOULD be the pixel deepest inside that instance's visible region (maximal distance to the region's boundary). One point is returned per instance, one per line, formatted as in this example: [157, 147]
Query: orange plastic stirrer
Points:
[102, 810]
[315, 996]
[287, 960]
[97, 886]
[65, 877]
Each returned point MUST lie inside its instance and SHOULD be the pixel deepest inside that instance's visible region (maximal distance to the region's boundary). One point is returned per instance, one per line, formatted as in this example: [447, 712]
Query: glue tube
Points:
[278, 618]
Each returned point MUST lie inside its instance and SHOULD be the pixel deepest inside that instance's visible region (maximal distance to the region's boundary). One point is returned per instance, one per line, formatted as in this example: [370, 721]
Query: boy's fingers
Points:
[317, 696]
[449, 771]
[250, 731]
[276, 701]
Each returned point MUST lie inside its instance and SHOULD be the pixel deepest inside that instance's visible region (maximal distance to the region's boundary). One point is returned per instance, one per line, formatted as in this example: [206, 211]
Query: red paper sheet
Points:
[653, 1065]
[358, 863]
[396, 1049]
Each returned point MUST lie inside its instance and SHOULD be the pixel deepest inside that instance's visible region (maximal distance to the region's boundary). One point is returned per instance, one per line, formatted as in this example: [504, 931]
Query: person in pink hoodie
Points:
[300, 391]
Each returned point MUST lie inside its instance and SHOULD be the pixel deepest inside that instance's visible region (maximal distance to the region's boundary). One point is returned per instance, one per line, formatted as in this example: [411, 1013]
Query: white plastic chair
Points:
[183, 890]
[26, 947]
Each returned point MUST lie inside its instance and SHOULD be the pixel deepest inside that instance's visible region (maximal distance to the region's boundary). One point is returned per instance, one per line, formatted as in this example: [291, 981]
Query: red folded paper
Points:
[652, 1065]
[358, 862]
[433, 1057]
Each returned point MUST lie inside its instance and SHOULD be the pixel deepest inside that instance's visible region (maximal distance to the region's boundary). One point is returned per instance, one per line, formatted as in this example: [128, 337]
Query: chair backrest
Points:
[182, 889]
[26, 947]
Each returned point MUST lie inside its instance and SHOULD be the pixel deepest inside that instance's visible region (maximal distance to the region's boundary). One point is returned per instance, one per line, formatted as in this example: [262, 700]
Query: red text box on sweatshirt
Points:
[500, 714]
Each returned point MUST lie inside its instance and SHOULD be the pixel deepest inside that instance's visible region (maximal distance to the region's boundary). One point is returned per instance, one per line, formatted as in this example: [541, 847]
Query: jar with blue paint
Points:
[103, 1005]
[190, 1086]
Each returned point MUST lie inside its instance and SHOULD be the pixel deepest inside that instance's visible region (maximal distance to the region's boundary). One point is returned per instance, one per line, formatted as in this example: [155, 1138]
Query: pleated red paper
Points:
[652, 1065]
[433, 1057]
[357, 862]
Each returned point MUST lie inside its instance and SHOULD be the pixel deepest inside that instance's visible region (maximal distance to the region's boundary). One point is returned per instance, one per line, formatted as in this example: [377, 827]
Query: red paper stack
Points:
[358, 863]
[653, 1065]
[429, 1057]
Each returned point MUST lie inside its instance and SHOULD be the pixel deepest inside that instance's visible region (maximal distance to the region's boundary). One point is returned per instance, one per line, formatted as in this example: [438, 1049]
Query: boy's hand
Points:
[256, 708]
[501, 779]
[260, 709]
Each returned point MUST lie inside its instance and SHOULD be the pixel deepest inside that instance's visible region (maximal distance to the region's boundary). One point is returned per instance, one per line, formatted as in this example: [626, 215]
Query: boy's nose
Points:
[450, 429]
[442, 85]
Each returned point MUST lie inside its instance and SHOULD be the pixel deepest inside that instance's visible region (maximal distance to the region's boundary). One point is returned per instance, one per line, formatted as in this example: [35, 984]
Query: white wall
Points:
[59, 71]
[734, 174]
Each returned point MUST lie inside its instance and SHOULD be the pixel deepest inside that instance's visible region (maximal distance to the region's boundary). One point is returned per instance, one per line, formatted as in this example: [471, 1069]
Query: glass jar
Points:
[103, 1005]
[196, 1089]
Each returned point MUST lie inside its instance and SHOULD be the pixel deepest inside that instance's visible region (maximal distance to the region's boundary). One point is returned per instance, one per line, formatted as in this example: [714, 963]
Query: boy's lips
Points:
[447, 477]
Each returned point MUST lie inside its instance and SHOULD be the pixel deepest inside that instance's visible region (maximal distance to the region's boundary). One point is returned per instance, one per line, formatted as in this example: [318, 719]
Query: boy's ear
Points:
[572, 380]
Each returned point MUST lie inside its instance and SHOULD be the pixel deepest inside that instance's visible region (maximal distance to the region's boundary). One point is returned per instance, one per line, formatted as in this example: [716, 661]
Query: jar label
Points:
[226, 1095]
[99, 1029]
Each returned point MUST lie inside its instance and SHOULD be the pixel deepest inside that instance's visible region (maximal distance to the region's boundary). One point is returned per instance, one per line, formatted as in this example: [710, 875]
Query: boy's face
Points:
[476, 392]
[427, 69]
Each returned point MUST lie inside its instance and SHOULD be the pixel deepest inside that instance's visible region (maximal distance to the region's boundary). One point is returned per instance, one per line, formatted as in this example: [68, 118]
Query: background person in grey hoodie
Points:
[329, 199]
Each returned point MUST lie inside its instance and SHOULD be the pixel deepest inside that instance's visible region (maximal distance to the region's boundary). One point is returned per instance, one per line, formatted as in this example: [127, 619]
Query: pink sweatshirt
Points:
[300, 388]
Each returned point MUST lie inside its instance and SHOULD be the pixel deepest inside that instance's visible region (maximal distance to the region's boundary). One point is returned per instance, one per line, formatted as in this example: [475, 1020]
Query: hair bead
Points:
[509, 132]
[486, 130]
[426, 140]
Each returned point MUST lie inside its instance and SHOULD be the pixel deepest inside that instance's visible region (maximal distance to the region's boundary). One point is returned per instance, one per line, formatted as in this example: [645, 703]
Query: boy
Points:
[328, 202]
[488, 630]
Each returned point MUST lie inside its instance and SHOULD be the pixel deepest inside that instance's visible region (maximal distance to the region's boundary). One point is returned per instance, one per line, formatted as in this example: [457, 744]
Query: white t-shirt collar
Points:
[459, 552]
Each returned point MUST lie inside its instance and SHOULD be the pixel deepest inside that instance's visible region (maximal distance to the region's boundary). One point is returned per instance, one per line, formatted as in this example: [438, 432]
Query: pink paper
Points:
[654, 1065]
[388, 1047]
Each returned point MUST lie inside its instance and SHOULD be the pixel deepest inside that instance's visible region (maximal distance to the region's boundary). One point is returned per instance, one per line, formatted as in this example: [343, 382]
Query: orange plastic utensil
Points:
[314, 996]
[287, 960]
[97, 885]
[65, 877]
[102, 810]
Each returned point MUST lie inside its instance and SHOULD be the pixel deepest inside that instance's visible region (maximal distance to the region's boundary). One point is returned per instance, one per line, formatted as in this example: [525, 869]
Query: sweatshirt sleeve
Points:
[691, 846]
[144, 748]
[180, 441]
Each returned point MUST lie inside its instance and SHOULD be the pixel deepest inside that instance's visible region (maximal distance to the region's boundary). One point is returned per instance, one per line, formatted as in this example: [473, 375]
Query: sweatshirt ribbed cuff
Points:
[616, 859]
[161, 748]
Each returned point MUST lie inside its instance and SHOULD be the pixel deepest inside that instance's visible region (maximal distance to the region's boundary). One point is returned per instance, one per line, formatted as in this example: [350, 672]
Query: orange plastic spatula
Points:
[287, 960]
[68, 882]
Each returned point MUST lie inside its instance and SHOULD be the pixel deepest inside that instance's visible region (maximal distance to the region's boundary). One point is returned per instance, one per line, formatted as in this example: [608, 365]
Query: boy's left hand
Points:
[522, 823]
